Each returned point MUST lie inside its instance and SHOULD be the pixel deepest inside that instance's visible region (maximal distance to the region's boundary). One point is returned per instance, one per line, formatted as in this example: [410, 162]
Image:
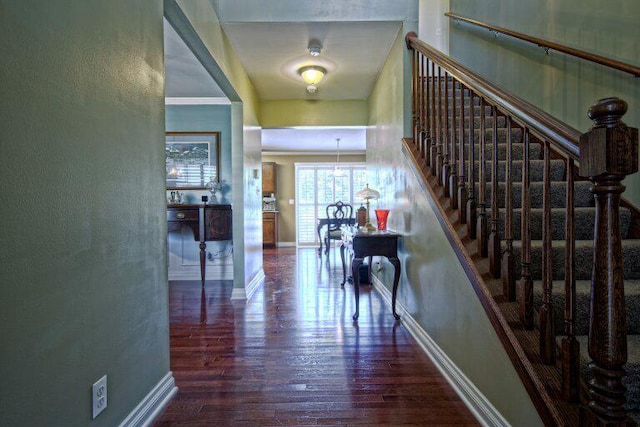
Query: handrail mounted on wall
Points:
[547, 45]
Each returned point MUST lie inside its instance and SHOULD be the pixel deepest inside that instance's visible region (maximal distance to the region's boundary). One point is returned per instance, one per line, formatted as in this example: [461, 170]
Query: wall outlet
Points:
[99, 396]
[292, 201]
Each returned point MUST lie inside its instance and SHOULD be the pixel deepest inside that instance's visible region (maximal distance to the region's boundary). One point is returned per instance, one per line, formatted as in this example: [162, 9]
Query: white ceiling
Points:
[354, 51]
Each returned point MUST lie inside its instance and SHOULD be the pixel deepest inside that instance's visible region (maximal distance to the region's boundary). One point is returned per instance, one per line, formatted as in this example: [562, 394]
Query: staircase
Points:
[526, 195]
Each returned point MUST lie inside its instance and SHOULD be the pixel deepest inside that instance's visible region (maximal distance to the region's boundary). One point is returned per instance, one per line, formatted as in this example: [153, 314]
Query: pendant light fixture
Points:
[337, 172]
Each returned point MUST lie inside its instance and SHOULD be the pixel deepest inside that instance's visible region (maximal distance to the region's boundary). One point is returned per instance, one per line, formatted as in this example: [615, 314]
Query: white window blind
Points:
[317, 187]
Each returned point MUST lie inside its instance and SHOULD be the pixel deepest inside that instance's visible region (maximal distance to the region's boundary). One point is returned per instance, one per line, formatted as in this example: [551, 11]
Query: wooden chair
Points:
[338, 214]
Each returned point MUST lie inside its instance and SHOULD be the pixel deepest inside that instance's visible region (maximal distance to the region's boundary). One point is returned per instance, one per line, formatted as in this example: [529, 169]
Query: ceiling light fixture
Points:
[312, 75]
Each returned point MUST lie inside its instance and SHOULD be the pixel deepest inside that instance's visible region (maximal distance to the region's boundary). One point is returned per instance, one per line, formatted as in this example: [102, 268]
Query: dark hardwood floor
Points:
[291, 355]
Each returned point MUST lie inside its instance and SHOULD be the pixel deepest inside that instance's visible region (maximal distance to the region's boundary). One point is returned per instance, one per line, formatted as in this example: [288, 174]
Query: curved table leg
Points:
[396, 279]
[203, 254]
[344, 266]
[355, 266]
[320, 240]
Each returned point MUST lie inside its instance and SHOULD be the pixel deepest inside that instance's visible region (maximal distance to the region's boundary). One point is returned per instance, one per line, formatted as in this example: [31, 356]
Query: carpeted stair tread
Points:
[536, 170]
[488, 121]
[516, 135]
[583, 258]
[582, 193]
[583, 293]
[517, 151]
[584, 223]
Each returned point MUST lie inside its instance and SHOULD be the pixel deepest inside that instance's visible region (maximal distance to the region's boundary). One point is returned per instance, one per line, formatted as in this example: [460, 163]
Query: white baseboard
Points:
[212, 272]
[286, 244]
[477, 403]
[249, 289]
[153, 403]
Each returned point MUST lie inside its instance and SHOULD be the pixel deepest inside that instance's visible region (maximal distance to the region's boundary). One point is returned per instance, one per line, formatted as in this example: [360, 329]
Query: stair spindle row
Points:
[447, 112]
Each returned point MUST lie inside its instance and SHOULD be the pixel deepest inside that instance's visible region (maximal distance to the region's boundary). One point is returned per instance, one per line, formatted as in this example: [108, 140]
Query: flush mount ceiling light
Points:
[312, 75]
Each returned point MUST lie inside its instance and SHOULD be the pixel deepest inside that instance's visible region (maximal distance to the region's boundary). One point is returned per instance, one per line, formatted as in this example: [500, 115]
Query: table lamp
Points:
[368, 194]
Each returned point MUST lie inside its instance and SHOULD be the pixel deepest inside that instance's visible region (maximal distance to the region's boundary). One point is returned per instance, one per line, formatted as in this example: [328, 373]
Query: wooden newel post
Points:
[608, 152]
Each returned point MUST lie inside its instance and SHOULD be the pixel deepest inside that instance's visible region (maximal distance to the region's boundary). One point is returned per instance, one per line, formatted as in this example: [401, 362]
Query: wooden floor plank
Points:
[292, 355]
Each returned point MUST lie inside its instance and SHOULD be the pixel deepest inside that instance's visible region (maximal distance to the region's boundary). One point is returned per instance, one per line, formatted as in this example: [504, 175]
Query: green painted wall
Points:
[83, 253]
[562, 85]
[434, 288]
[313, 113]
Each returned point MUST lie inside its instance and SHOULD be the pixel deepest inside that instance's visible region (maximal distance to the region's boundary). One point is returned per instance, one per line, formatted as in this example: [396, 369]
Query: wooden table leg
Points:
[344, 266]
[396, 278]
[203, 254]
[355, 266]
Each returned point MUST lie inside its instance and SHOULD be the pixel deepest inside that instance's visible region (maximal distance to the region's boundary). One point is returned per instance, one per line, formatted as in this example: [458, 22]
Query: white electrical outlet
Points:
[99, 396]
[292, 201]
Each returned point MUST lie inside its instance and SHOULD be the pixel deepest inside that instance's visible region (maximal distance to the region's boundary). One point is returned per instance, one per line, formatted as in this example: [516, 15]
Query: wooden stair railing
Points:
[479, 173]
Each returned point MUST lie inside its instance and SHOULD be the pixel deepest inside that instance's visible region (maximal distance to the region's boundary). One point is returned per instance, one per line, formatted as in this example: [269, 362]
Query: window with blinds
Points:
[317, 185]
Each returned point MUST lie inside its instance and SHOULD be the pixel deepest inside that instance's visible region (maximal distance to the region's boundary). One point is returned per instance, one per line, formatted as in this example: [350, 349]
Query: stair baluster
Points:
[440, 139]
[424, 110]
[508, 272]
[414, 98]
[481, 232]
[453, 178]
[494, 238]
[570, 347]
[433, 151]
[446, 143]
[419, 82]
[462, 189]
[608, 152]
[471, 202]
[525, 288]
[547, 329]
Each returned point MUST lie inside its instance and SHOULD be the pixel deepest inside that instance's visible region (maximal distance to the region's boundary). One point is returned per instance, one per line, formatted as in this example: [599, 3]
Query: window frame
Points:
[347, 167]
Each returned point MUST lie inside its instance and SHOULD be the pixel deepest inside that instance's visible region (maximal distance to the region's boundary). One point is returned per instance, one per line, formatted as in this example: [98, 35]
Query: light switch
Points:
[292, 201]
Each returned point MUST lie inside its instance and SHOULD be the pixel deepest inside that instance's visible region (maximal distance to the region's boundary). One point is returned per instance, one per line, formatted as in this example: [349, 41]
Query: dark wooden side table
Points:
[362, 244]
[206, 222]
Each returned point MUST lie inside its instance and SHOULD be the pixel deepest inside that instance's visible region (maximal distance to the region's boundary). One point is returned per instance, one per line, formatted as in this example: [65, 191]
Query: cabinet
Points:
[269, 229]
[269, 177]
[217, 222]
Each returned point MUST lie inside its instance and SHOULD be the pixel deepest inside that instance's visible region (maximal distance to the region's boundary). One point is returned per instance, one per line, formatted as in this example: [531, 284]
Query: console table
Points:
[207, 222]
[361, 244]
